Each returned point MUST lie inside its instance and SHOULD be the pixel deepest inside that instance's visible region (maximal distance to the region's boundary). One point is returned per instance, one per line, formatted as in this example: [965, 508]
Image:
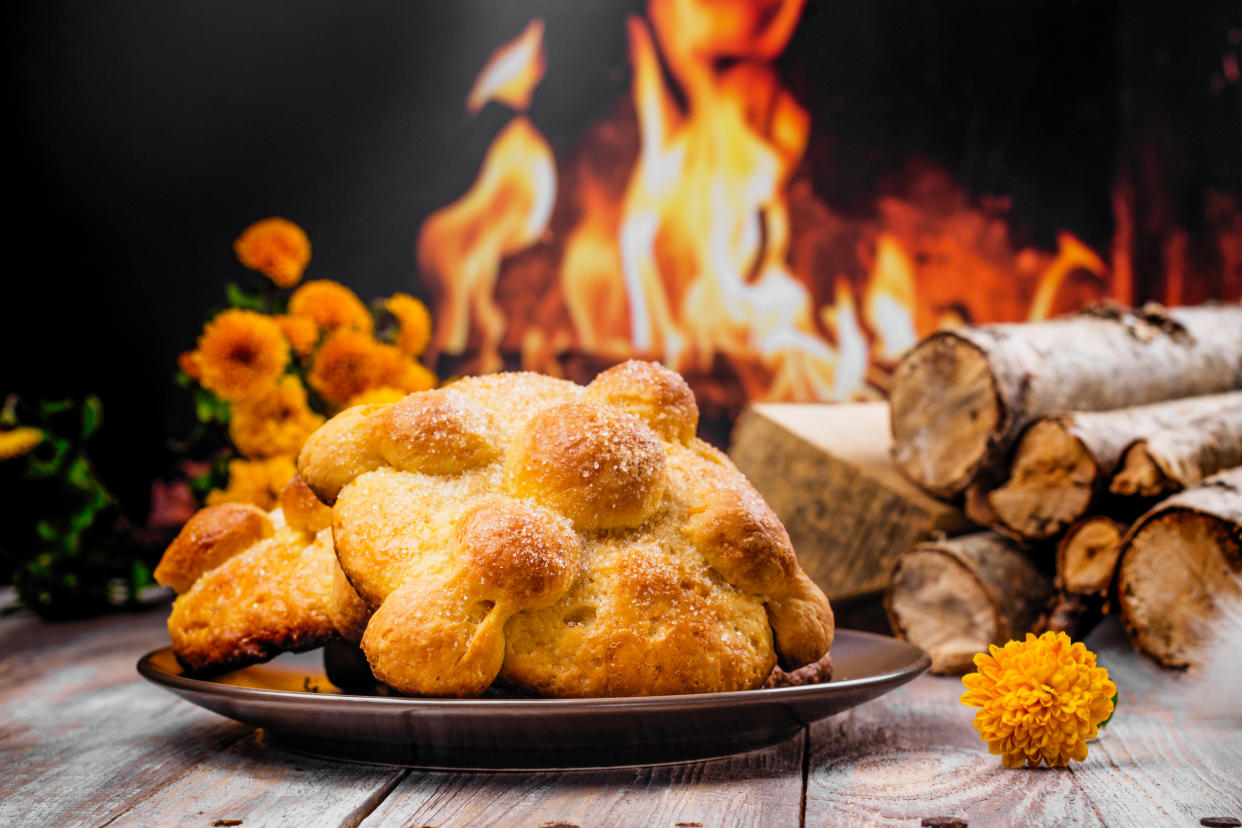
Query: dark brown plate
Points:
[293, 701]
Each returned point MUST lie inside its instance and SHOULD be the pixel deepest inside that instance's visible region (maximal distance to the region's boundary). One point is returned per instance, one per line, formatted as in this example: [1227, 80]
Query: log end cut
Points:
[956, 597]
[1138, 475]
[1087, 555]
[1177, 570]
[1052, 483]
[945, 411]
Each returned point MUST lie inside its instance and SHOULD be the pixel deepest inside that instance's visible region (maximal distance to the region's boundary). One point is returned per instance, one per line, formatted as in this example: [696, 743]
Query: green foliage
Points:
[65, 543]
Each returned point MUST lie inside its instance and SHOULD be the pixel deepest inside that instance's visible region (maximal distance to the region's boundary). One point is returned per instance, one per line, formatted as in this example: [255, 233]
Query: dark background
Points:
[145, 135]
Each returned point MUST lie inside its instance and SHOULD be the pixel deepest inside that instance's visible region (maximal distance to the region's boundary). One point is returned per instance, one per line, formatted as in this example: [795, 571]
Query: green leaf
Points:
[43, 469]
[1114, 713]
[238, 298]
[79, 476]
[92, 416]
[46, 532]
[82, 519]
[139, 577]
[50, 408]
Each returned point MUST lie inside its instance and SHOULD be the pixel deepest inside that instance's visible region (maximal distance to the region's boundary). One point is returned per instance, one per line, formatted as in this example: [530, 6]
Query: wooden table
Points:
[85, 741]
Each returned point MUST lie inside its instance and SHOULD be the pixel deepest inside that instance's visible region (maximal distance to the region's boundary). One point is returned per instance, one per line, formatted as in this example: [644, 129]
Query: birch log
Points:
[1181, 456]
[960, 398]
[1063, 464]
[1180, 564]
[955, 597]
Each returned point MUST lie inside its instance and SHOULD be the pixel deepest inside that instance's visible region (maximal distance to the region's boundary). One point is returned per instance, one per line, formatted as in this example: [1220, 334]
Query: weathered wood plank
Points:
[260, 783]
[914, 754]
[1169, 754]
[760, 788]
[85, 741]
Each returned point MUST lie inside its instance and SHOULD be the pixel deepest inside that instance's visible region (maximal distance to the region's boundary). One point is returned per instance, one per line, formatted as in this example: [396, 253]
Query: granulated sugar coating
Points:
[572, 541]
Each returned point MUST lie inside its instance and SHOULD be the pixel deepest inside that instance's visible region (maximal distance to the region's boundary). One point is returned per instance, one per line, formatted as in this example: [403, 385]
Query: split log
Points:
[826, 472]
[1086, 563]
[960, 398]
[955, 597]
[1181, 456]
[1064, 464]
[1180, 564]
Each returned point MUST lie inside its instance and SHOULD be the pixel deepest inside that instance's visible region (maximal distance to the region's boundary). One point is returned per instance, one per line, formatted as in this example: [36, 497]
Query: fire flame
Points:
[700, 252]
[512, 72]
[463, 244]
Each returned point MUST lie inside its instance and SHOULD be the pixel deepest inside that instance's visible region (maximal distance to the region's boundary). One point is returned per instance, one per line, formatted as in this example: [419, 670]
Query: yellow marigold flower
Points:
[277, 421]
[15, 442]
[255, 481]
[331, 306]
[377, 396]
[189, 364]
[241, 354]
[1040, 700]
[349, 363]
[413, 323]
[301, 332]
[275, 247]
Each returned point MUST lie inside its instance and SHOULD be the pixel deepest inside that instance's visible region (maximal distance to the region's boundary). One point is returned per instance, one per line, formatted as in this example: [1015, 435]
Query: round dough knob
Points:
[437, 432]
[519, 555]
[598, 466]
[652, 393]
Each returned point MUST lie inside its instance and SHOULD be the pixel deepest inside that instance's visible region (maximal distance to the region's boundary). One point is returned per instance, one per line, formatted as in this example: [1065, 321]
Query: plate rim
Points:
[596, 704]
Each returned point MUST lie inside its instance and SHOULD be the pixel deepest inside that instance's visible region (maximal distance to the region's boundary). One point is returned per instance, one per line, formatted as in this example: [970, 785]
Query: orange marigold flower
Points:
[1040, 700]
[255, 481]
[413, 323]
[15, 442]
[241, 354]
[277, 421]
[377, 396]
[349, 363]
[331, 306]
[275, 247]
[190, 365]
[301, 332]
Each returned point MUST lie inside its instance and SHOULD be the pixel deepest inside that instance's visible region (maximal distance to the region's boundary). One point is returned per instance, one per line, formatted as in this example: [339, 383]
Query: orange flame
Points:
[691, 254]
[1072, 255]
[512, 72]
[462, 245]
[890, 299]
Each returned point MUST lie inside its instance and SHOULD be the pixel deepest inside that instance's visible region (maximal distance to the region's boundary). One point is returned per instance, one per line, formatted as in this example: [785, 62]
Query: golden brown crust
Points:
[654, 394]
[348, 612]
[435, 641]
[517, 554]
[209, 538]
[599, 466]
[437, 432]
[742, 538]
[340, 450]
[602, 549]
[270, 598]
[302, 508]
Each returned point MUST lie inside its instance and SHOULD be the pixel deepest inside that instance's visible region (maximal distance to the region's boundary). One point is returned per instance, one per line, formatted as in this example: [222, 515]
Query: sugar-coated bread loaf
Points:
[573, 541]
[251, 584]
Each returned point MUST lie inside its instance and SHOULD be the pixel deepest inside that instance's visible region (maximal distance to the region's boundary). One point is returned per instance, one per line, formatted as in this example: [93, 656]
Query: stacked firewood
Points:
[1103, 452]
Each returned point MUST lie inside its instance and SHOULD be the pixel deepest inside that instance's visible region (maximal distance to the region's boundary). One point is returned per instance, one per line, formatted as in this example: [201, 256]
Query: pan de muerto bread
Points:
[573, 541]
[252, 584]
